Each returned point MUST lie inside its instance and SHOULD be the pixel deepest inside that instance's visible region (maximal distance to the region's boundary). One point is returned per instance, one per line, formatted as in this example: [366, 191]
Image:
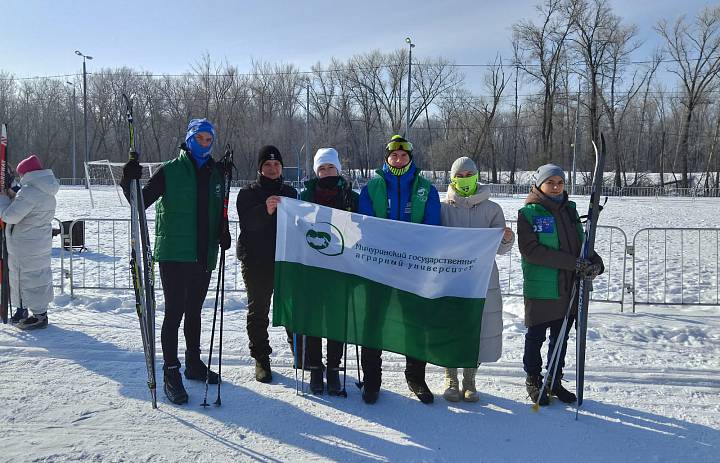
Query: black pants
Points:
[314, 352]
[259, 281]
[534, 339]
[371, 362]
[185, 285]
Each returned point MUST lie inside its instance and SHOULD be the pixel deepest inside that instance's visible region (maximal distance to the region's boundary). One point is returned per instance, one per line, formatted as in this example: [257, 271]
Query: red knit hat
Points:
[29, 164]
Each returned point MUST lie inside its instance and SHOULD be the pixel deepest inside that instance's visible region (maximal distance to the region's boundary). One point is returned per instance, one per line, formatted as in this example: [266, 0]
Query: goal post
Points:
[104, 174]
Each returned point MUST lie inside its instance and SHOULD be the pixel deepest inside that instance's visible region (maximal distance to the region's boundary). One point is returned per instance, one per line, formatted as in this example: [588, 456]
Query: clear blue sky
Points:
[39, 37]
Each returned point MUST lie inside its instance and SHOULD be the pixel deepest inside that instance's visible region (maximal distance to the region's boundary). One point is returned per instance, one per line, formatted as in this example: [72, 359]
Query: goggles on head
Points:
[399, 145]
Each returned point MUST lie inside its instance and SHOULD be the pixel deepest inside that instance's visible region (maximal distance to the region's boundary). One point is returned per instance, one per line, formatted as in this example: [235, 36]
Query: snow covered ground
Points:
[76, 391]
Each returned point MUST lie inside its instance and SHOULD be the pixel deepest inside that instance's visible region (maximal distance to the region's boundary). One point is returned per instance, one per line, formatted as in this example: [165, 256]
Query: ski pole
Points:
[227, 165]
[212, 337]
[343, 393]
[555, 357]
[218, 402]
[359, 382]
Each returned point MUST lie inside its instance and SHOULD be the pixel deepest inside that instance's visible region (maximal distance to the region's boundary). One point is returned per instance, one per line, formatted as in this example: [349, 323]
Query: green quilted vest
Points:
[176, 213]
[539, 281]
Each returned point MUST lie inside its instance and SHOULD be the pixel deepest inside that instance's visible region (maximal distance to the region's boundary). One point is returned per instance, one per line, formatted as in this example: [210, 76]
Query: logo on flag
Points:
[326, 239]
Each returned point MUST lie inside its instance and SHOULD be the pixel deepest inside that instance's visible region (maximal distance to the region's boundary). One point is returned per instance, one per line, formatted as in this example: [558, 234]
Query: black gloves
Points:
[132, 170]
[225, 239]
[586, 269]
[582, 265]
[593, 271]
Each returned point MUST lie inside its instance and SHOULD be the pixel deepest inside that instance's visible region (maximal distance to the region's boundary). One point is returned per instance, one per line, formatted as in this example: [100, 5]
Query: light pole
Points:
[87, 147]
[576, 144]
[407, 119]
[74, 107]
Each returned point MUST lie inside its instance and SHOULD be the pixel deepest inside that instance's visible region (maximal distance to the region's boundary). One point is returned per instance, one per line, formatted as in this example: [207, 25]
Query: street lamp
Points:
[74, 106]
[87, 147]
[407, 119]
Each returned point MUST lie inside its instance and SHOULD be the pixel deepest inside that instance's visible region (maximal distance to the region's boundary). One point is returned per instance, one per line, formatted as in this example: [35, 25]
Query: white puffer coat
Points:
[28, 233]
[477, 211]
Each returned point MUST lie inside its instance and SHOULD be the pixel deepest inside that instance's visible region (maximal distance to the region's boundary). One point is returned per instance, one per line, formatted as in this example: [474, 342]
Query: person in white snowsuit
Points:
[28, 219]
[467, 205]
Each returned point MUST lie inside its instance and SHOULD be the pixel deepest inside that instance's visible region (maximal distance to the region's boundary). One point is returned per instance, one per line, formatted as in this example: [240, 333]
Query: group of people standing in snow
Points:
[191, 231]
[549, 236]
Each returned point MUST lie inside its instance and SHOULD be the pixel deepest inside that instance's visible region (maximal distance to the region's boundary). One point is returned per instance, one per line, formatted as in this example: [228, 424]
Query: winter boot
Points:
[469, 393]
[560, 392]
[533, 385]
[420, 389]
[174, 389]
[370, 393]
[197, 370]
[19, 315]
[262, 370]
[371, 386]
[317, 386]
[452, 388]
[334, 386]
[34, 322]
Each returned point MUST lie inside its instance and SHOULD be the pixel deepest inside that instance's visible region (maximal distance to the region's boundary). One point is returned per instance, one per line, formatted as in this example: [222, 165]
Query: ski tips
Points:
[535, 407]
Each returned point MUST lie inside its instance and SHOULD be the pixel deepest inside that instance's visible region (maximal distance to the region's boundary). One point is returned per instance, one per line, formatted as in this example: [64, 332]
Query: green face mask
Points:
[465, 186]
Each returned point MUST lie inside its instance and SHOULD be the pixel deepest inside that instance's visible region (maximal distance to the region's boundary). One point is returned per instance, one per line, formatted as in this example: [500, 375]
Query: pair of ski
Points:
[4, 276]
[581, 289]
[142, 268]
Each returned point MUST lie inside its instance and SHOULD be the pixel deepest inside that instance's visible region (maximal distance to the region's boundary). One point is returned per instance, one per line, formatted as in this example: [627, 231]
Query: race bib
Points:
[544, 224]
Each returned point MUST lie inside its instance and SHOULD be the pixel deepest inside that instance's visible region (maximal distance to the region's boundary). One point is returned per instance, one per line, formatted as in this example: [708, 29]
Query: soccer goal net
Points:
[104, 176]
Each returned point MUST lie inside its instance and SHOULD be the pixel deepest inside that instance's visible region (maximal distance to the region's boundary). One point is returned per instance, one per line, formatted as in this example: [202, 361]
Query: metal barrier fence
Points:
[610, 243]
[103, 263]
[675, 266]
[670, 266]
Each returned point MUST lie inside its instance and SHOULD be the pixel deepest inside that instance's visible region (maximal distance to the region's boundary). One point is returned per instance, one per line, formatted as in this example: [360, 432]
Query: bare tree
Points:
[544, 44]
[695, 50]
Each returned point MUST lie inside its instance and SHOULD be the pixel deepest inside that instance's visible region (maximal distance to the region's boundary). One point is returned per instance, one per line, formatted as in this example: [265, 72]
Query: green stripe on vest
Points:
[539, 281]
[176, 213]
[377, 190]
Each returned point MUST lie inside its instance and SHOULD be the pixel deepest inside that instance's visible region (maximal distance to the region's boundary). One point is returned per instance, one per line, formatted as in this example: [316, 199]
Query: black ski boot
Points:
[560, 392]
[317, 386]
[420, 389]
[196, 369]
[262, 370]
[334, 386]
[19, 315]
[34, 322]
[174, 389]
[533, 385]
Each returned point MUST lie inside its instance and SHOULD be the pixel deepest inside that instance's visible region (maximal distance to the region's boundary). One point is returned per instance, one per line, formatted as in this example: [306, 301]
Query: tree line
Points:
[573, 73]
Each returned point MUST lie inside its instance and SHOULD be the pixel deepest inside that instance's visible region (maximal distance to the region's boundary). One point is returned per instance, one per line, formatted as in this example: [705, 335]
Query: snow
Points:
[76, 391]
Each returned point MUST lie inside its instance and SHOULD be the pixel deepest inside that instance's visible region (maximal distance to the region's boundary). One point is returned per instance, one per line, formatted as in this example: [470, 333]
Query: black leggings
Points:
[185, 285]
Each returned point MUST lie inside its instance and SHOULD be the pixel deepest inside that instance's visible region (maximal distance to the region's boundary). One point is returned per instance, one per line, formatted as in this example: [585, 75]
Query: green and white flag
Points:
[408, 288]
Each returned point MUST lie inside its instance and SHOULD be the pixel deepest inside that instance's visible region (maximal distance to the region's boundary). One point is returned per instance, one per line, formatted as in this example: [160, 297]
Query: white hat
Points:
[326, 156]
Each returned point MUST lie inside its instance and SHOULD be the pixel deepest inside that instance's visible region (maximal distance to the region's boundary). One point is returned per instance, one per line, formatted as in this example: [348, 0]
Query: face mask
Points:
[199, 152]
[328, 182]
[465, 186]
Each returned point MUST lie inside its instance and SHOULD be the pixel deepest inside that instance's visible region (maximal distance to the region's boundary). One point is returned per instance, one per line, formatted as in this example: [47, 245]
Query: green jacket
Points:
[176, 213]
[378, 191]
[539, 281]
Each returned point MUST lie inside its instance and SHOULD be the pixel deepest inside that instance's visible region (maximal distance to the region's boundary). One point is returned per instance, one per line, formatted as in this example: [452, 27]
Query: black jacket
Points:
[256, 243]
